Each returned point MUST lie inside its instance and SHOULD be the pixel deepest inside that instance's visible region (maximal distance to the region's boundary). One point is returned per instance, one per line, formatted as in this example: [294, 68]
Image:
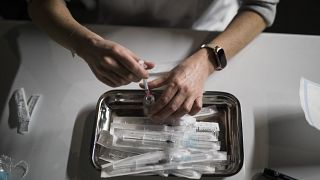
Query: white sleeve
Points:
[266, 8]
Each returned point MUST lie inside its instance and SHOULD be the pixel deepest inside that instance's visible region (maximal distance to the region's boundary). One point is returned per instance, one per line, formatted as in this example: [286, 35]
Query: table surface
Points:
[264, 77]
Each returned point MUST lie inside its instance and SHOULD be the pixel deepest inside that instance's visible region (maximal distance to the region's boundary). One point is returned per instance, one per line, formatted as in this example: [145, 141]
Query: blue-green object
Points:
[3, 175]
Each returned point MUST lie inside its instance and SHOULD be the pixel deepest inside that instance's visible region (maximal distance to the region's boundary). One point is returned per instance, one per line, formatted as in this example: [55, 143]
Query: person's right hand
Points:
[112, 63]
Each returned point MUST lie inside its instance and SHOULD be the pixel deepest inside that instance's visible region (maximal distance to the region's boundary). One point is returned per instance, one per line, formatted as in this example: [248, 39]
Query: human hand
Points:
[112, 63]
[184, 88]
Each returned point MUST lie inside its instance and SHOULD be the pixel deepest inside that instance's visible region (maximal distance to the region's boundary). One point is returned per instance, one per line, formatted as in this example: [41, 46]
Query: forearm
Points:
[110, 62]
[54, 18]
[243, 29]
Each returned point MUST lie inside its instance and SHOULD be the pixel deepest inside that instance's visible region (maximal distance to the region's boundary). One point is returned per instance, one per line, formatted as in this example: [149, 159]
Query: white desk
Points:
[264, 77]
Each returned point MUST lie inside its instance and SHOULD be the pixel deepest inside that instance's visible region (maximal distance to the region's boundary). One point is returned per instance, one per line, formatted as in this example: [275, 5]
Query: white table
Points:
[264, 77]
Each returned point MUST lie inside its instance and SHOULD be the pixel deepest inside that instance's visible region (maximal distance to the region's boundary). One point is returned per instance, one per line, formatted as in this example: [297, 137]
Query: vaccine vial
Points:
[148, 101]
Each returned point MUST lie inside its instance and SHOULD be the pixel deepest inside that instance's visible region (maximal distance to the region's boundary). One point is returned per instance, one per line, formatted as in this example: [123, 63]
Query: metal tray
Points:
[129, 103]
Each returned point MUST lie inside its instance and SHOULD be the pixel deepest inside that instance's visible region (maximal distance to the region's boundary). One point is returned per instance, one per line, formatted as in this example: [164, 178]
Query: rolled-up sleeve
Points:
[266, 8]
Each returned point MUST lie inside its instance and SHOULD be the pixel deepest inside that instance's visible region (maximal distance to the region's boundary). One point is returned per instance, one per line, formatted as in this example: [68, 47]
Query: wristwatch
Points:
[216, 56]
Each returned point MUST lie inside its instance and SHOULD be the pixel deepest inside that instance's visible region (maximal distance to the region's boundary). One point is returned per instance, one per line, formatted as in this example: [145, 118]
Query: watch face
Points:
[218, 57]
[221, 58]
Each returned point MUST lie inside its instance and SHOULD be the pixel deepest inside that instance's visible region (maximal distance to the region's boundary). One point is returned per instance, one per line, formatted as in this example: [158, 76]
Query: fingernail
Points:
[141, 62]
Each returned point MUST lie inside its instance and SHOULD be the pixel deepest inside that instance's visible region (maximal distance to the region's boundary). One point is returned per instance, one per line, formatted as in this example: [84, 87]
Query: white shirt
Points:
[195, 14]
[212, 15]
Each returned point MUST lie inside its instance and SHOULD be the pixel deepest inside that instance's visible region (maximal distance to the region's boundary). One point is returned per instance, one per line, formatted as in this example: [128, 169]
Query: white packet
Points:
[186, 173]
[158, 161]
[310, 101]
[112, 155]
[22, 110]
[165, 136]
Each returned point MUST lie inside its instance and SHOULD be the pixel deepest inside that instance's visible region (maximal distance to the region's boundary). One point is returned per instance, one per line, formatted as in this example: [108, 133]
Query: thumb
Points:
[156, 83]
[149, 65]
[196, 107]
[161, 81]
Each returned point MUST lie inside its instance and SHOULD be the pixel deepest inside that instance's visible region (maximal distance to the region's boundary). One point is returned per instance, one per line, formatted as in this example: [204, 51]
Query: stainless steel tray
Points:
[129, 103]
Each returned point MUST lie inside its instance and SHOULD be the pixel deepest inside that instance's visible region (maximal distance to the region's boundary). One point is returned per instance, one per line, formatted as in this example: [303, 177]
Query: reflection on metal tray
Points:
[128, 103]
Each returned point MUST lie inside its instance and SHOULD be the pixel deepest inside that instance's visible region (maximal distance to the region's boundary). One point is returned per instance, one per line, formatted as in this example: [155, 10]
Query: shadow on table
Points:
[283, 138]
[80, 166]
[79, 161]
[293, 142]
[259, 176]
[9, 65]
[13, 119]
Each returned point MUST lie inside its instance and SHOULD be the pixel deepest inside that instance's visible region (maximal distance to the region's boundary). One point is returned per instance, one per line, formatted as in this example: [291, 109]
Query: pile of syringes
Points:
[135, 146]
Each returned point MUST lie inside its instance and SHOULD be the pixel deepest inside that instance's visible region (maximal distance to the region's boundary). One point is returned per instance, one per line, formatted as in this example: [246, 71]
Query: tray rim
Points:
[222, 93]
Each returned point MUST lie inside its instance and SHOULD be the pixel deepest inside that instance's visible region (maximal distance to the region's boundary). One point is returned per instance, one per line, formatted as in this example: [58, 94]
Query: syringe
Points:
[148, 98]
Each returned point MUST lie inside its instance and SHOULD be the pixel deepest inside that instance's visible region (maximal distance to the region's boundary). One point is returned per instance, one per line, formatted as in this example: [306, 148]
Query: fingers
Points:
[112, 77]
[185, 108]
[149, 65]
[178, 108]
[111, 65]
[196, 107]
[108, 77]
[129, 61]
[169, 109]
[105, 80]
[159, 82]
[176, 101]
[102, 78]
[114, 64]
[160, 109]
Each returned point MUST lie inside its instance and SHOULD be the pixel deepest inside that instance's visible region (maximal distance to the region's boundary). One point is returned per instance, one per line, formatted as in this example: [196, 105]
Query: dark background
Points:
[293, 16]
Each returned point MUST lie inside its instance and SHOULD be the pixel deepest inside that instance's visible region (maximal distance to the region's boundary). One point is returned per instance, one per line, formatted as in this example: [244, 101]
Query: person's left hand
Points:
[184, 88]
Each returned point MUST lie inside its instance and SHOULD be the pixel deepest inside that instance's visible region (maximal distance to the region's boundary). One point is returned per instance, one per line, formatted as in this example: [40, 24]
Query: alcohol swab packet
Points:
[33, 102]
[310, 101]
[24, 110]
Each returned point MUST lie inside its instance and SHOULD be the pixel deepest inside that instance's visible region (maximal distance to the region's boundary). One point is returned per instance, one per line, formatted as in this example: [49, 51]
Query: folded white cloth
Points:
[310, 101]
